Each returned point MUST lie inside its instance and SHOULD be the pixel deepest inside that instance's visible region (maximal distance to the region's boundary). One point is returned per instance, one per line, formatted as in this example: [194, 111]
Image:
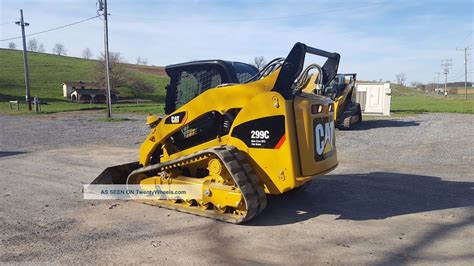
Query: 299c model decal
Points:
[260, 134]
[266, 133]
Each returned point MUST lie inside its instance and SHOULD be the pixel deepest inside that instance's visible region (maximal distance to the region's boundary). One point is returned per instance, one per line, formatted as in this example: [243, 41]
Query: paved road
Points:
[403, 193]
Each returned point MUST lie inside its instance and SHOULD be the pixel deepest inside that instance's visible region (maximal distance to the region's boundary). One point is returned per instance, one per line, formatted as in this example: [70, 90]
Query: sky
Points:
[376, 38]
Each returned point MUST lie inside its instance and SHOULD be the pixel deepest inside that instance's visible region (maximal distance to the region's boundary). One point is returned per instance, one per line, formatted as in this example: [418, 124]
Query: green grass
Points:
[48, 72]
[408, 100]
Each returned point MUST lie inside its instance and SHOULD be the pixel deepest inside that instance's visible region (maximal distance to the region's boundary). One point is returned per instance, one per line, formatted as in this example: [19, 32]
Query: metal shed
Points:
[374, 97]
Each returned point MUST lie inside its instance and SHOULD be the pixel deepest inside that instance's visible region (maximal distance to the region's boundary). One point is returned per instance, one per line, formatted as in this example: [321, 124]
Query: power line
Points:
[57, 28]
[459, 75]
[465, 38]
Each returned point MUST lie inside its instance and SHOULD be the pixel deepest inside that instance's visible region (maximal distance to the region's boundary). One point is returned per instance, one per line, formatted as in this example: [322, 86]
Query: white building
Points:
[374, 97]
[70, 86]
[82, 92]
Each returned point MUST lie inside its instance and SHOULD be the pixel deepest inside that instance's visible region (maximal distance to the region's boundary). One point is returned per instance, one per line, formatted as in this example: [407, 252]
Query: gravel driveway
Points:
[403, 193]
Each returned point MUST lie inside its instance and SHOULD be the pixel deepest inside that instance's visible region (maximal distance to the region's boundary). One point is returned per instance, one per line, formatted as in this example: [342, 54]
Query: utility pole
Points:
[22, 23]
[437, 84]
[466, 53]
[446, 65]
[102, 6]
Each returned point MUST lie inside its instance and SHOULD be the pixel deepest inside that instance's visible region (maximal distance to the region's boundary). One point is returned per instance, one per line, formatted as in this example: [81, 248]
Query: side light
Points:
[331, 107]
[316, 108]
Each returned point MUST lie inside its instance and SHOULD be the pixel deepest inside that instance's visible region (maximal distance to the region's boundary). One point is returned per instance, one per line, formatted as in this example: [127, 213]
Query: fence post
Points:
[35, 101]
[11, 103]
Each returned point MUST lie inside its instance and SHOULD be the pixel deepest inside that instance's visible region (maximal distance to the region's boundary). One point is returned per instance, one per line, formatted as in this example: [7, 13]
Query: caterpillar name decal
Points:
[324, 138]
[177, 118]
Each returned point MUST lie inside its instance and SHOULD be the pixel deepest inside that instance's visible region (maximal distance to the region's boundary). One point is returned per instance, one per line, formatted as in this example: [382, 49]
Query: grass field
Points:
[408, 100]
[48, 72]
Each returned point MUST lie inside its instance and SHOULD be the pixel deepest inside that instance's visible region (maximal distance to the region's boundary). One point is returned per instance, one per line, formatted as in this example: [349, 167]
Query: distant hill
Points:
[398, 90]
[48, 72]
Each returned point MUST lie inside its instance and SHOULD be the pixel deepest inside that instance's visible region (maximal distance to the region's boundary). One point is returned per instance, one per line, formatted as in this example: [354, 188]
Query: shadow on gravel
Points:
[10, 153]
[371, 124]
[409, 254]
[366, 197]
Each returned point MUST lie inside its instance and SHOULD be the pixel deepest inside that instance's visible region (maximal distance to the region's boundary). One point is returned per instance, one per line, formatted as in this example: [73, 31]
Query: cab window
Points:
[244, 72]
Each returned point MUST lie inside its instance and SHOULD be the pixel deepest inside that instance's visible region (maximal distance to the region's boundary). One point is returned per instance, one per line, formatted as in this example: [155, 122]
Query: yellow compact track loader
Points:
[342, 90]
[239, 133]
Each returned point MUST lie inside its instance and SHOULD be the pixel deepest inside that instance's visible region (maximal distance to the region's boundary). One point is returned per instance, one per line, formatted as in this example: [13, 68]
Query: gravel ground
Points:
[402, 194]
[46, 132]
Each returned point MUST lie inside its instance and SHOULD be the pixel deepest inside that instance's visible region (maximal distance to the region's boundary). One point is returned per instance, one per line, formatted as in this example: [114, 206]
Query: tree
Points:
[59, 49]
[418, 85]
[401, 78]
[141, 61]
[259, 62]
[138, 86]
[11, 45]
[120, 76]
[34, 46]
[87, 53]
[41, 48]
[118, 73]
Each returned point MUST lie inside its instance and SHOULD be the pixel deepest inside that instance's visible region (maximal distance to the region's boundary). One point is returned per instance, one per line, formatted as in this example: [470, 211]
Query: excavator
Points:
[239, 133]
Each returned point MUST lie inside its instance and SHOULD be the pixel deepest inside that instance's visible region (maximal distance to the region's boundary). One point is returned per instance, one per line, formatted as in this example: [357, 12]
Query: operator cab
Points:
[337, 86]
[188, 80]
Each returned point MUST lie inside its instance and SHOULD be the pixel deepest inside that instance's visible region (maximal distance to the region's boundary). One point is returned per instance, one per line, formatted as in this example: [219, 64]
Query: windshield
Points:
[244, 72]
[191, 83]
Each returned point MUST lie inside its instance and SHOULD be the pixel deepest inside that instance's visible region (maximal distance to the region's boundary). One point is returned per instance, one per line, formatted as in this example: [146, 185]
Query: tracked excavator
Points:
[239, 133]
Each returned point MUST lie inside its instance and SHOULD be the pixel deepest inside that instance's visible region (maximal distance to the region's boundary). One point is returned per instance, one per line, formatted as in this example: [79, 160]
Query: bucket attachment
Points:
[116, 174]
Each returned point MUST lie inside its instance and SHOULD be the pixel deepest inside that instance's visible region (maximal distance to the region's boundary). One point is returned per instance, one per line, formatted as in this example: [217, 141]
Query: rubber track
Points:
[238, 167]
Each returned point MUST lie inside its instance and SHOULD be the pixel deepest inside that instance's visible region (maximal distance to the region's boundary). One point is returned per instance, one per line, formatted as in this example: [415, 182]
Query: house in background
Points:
[82, 92]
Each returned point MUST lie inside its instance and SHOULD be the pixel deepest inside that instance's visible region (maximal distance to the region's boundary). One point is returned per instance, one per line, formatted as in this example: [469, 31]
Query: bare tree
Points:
[141, 61]
[87, 53]
[401, 78]
[59, 49]
[34, 46]
[138, 86]
[118, 73]
[41, 48]
[418, 85]
[11, 45]
[120, 76]
[259, 62]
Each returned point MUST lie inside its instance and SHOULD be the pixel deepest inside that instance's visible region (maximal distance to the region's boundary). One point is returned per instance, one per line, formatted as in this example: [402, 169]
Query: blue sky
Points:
[376, 38]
